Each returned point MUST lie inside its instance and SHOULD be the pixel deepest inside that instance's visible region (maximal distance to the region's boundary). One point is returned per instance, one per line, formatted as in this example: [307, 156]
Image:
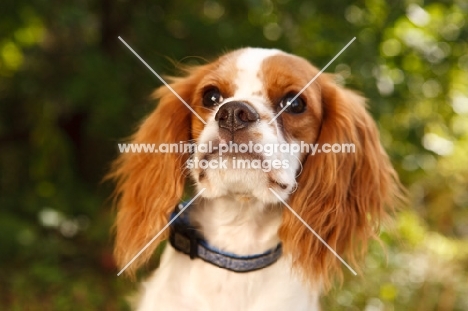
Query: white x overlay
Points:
[201, 191]
[311, 81]
[160, 232]
[313, 231]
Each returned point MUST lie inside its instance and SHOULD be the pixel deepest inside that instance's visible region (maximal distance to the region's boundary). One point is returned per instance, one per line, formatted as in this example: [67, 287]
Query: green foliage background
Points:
[70, 90]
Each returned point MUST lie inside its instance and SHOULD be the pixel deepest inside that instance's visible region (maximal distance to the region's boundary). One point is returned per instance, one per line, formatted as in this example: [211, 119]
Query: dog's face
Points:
[239, 98]
[341, 195]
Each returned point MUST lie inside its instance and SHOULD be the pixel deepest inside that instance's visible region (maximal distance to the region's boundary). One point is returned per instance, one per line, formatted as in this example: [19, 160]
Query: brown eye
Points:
[212, 97]
[297, 104]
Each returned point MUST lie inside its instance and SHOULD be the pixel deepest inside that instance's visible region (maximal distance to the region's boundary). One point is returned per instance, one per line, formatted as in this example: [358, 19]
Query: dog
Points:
[246, 242]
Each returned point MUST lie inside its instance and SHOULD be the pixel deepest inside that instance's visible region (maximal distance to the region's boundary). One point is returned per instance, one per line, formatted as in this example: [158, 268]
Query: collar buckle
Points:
[186, 239]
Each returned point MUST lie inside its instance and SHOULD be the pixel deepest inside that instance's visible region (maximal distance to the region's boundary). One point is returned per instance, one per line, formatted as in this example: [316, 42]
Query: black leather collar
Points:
[185, 239]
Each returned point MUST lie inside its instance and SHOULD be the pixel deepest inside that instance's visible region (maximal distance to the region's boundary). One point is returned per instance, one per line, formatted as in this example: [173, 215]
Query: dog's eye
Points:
[212, 97]
[296, 106]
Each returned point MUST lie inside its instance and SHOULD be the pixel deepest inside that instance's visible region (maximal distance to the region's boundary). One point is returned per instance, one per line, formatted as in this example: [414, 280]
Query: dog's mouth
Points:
[235, 170]
[281, 185]
[245, 161]
[230, 154]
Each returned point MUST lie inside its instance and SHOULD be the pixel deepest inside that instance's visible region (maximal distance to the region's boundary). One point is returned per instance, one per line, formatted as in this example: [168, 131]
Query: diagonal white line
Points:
[311, 81]
[162, 80]
[313, 231]
[160, 232]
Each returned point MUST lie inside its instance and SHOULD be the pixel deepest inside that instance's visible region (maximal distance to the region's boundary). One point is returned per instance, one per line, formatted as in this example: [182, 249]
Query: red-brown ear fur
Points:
[341, 196]
[149, 185]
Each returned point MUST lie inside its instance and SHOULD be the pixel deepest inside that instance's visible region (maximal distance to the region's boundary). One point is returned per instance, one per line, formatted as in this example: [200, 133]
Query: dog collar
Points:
[185, 239]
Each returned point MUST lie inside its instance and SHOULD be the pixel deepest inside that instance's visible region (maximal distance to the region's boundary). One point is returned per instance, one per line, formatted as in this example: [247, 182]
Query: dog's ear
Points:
[342, 196]
[150, 185]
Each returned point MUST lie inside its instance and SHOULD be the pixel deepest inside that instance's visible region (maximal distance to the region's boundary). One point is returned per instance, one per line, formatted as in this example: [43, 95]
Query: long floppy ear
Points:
[342, 196]
[149, 185]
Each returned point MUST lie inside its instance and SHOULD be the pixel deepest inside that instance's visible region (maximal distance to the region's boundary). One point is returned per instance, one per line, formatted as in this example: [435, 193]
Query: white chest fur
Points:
[242, 227]
[182, 284]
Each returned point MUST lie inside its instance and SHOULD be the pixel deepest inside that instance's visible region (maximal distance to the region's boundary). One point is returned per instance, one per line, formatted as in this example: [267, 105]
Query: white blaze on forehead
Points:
[248, 67]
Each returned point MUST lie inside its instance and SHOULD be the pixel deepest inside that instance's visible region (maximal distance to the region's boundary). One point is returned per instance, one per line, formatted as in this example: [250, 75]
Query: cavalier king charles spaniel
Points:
[237, 246]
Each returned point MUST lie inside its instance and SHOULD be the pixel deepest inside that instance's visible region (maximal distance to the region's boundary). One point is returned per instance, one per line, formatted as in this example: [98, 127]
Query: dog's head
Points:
[235, 101]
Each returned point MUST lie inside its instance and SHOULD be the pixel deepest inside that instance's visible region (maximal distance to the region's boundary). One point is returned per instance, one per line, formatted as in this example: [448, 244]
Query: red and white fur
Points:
[342, 196]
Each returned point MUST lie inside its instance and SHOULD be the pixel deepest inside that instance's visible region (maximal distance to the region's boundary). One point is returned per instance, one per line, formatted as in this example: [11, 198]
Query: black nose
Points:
[234, 116]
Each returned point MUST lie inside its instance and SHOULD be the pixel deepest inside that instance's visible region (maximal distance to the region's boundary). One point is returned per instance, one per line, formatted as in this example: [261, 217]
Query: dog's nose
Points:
[236, 115]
